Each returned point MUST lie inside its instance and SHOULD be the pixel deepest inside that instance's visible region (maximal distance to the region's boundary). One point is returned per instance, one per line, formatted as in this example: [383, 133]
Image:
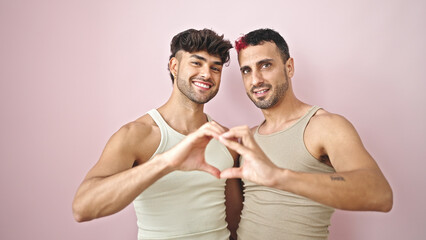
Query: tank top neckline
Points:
[312, 109]
[172, 129]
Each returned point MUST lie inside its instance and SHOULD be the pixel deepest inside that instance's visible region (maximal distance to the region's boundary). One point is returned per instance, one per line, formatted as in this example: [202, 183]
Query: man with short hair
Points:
[166, 161]
[302, 161]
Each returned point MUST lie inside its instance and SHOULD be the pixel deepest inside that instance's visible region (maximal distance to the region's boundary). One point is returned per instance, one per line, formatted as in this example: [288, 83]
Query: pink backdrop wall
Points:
[73, 72]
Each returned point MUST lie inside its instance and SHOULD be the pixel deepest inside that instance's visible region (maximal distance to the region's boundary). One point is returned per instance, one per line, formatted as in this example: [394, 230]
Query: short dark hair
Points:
[193, 40]
[260, 36]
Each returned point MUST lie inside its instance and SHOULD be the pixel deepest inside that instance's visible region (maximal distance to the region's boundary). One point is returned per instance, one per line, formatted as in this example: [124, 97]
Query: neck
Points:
[283, 114]
[182, 114]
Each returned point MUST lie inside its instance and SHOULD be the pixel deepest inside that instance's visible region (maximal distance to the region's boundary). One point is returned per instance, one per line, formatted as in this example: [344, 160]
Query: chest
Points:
[288, 150]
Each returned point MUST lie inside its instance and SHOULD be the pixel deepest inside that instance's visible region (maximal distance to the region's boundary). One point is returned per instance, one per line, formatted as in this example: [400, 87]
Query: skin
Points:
[123, 170]
[358, 183]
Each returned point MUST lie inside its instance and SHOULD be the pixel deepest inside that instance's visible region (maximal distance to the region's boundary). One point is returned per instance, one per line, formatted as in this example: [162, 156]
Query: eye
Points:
[245, 70]
[266, 65]
[215, 69]
[196, 63]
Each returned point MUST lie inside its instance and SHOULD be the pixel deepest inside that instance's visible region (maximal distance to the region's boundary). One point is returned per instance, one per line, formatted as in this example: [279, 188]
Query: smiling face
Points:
[197, 75]
[265, 76]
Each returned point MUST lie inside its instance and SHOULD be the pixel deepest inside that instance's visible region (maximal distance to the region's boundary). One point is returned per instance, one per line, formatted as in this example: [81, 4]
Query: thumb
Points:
[231, 173]
[210, 169]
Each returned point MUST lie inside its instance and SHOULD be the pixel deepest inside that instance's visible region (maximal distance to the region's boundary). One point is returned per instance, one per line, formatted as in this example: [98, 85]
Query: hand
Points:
[256, 167]
[188, 155]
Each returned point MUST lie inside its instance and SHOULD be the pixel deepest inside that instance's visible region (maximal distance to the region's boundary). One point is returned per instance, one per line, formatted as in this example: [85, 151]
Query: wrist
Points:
[281, 178]
[162, 163]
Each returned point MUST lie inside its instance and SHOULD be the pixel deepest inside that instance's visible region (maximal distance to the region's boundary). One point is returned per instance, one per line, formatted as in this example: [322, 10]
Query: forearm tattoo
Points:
[337, 178]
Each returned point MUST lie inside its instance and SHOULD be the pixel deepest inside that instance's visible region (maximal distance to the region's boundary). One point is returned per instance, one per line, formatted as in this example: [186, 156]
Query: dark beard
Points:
[278, 94]
[189, 92]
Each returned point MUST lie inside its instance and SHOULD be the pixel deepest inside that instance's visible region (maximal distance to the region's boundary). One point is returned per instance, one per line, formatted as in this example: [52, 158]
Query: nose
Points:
[205, 73]
[256, 78]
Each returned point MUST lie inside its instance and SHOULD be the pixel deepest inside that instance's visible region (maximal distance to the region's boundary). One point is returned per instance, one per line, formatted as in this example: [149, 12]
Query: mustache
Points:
[263, 85]
[201, 79]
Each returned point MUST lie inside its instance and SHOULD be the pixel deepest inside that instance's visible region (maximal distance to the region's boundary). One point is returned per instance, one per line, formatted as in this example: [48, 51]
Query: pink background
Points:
[73, 72]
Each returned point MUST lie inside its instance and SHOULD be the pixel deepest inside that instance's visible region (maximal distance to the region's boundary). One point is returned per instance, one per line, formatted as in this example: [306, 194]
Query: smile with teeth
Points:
[261, 92]
[202, 85]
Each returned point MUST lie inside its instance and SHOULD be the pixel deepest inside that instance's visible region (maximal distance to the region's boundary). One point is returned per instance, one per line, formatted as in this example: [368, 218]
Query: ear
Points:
[173, 66]
[289, 67]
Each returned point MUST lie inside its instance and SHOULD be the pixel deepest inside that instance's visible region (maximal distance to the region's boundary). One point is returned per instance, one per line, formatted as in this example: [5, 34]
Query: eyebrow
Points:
[267, 60]
[205, 60]
[244, 68]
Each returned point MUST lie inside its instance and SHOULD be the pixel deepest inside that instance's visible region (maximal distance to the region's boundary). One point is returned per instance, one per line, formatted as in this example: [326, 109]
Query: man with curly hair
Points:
[167, 162]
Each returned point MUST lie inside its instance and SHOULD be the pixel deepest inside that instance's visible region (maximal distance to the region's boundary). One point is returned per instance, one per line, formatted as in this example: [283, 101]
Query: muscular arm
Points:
[112, 183]
[358, 183]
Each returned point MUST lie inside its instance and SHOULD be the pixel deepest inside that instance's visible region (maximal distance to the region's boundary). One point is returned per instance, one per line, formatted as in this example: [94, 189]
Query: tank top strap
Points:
[158, 119]
[305, 119]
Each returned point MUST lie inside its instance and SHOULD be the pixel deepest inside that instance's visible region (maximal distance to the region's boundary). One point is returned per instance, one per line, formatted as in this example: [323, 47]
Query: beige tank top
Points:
[184, 205]
[274, 214]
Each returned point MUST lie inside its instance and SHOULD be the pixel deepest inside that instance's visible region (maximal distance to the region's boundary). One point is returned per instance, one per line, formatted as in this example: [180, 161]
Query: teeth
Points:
[262, 91]
[202, 85]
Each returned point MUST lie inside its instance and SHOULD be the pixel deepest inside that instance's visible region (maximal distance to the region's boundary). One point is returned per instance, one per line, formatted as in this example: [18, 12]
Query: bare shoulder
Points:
[142, 128]
[134, 142]
[130, 145]
[326, 122]
[332, 135]
[143, 136]
[326, 132]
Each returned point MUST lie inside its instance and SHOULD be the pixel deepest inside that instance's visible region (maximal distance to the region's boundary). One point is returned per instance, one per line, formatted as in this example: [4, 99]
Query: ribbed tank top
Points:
[270, 213]
[184, 205]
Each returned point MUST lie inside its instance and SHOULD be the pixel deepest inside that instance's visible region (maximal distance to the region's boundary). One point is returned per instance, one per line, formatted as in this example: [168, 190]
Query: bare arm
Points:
[358, 183]
[112, 183]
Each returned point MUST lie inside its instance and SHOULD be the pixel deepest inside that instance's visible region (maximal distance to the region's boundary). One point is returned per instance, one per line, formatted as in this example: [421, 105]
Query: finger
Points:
[195, 137]
[238, 132]
[217, 128]
[231, 173]
[211, 129]
[223, 128]
[204, 132]
[234, 145]
[210, 169]
[244, 133]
